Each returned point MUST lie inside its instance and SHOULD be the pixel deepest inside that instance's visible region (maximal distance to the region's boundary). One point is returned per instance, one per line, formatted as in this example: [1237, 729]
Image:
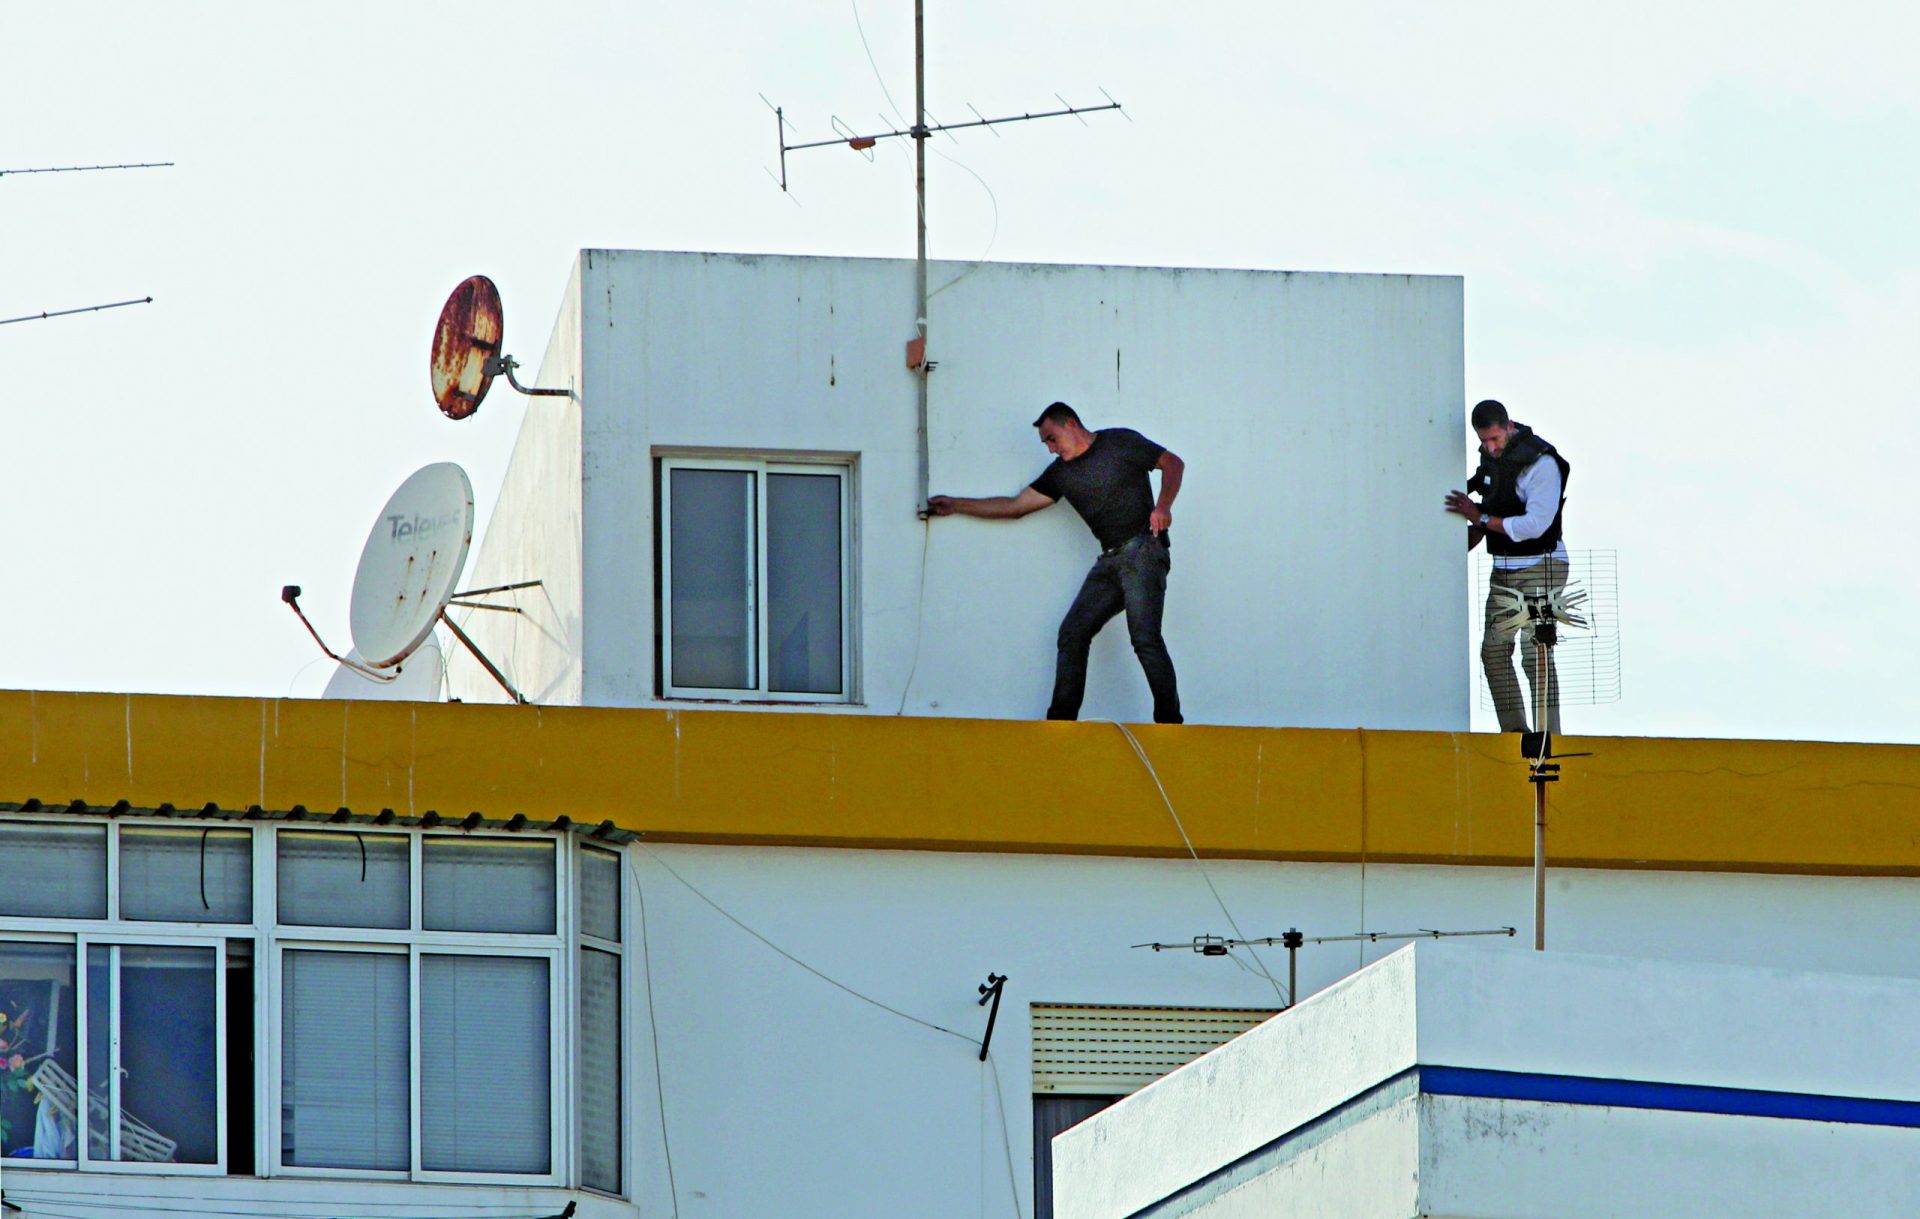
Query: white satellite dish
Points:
[410, 564]
[402, 588]
[418, 680]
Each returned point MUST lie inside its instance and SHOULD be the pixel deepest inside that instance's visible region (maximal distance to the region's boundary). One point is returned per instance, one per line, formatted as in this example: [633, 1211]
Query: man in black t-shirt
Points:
[1104, 476]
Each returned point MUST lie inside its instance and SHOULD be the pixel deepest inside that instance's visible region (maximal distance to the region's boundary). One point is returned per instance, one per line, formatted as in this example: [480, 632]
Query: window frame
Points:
[840, 467]
[268, 941]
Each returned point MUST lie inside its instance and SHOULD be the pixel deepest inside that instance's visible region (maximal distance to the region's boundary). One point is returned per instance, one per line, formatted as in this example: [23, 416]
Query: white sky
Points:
[1687, 233]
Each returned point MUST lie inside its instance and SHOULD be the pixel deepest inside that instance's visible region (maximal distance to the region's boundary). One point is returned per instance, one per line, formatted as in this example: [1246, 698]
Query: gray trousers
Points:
[1496, 651]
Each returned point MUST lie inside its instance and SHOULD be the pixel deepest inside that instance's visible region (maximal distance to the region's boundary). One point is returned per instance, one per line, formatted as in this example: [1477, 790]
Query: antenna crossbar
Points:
[35, 317]
[80, 169]
[863, 142]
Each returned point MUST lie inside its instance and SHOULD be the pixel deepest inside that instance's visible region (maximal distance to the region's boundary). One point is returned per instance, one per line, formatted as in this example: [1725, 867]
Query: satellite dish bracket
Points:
[480, 656]
[290, 593]
[461, 599]
[503, 365]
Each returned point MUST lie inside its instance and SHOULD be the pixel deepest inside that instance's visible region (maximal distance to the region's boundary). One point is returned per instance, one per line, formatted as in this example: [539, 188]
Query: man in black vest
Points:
[1103, 475]
[1522, 484]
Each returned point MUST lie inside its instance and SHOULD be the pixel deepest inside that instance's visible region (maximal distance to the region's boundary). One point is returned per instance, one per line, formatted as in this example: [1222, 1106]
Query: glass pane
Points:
[803, 583]
[344, 1066]
[343, 880]
[54, 871]
[485, 1090]
[600, 894]
[600, 1074]
[164, 1059]
[711, 584]
[487, 884]
[186, 876]
[38, 1096]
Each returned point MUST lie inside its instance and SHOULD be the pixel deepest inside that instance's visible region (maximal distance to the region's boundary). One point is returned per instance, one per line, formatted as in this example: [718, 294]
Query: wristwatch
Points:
[1484, 518]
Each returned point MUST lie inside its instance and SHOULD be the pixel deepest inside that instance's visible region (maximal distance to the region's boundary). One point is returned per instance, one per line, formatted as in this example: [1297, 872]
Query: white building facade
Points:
[725, 509]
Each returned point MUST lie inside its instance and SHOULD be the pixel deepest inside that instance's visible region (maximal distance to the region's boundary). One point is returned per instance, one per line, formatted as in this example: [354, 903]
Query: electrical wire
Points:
[1141, 753]
[1006, 1130]
[833, 982]
[873, 64]
[992, 236]
[919, 614]
[653, 1032]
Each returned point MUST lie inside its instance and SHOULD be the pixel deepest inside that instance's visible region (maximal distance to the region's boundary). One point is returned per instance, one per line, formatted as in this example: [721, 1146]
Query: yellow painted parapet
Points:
[982, 785]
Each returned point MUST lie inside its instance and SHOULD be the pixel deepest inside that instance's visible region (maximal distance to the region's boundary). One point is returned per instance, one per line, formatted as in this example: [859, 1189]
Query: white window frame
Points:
[270, 940]
[758, 691]
[579, 941]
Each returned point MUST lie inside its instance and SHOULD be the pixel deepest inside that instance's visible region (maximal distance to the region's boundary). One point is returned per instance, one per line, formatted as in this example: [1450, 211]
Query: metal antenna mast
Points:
[918, 133]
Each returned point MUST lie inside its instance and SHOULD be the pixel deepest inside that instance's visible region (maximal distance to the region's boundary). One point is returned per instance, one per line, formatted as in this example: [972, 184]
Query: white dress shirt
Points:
[1539, 487]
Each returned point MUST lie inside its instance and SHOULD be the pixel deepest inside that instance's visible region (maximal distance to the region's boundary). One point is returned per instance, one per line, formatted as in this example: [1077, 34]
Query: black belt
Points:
[1115, 549]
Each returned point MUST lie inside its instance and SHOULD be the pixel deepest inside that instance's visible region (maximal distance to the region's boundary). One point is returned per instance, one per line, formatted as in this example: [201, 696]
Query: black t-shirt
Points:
[1107, 485]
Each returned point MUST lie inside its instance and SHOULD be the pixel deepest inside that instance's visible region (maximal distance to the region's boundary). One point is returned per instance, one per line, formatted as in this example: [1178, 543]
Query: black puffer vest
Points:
[1498, 484]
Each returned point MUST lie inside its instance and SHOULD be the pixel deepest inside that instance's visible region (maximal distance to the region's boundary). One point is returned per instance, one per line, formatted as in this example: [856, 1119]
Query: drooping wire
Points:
[874, 65]
[653, 1031]
[919, 614]
[1147, 762]
[1006, 1131]
[833, 982]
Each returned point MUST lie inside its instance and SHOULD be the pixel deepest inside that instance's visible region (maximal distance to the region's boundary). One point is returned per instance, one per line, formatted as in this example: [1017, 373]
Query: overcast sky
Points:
[1687, 234]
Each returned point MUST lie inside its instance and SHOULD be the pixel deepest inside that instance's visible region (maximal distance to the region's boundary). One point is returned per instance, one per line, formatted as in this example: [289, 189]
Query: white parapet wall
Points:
[1454, 1080]
[1316, 581]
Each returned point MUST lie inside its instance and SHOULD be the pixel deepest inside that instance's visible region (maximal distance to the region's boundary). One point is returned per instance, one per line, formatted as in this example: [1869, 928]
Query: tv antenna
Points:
[1589, 608]
[81, 169]
[917, 359]
[1293, 940]
[466, 350]
[405, 580]
[44, 314]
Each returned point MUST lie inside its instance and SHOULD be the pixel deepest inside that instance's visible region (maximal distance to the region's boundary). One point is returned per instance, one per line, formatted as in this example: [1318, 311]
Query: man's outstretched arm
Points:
[993, 507]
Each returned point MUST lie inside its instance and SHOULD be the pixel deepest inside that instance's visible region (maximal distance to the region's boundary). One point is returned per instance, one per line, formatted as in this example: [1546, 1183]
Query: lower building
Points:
[325, 958]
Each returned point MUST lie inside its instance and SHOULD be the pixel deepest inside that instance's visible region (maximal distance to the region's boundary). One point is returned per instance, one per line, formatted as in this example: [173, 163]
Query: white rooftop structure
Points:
[1455, 1080]
[723, 511]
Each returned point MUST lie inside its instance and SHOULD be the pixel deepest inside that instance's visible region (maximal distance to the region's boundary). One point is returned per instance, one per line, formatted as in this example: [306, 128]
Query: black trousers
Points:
[1133, 578]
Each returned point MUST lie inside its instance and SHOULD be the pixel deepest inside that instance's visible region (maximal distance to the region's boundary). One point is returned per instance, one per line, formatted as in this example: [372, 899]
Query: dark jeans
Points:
[1133, 578]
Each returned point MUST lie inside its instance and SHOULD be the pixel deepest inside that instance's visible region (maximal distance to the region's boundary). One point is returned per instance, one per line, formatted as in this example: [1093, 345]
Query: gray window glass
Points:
[344, 1064]
[710, 585]
[152, 1027]
[803, 583]
[599, 1094]
[484, 1078]
[487, 884]
[343, 880]
[600, 894]
[53, 871]
[186, 876]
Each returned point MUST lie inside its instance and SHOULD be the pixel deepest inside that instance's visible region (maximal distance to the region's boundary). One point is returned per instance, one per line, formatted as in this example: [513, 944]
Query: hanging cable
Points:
[1141, 753]
[653, 1032]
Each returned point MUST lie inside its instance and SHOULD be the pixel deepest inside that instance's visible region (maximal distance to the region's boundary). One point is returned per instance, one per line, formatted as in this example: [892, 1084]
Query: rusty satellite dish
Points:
[464, 344]
[466, 349]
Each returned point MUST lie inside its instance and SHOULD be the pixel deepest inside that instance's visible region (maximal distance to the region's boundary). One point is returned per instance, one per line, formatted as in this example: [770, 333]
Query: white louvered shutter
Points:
[1098, 1050]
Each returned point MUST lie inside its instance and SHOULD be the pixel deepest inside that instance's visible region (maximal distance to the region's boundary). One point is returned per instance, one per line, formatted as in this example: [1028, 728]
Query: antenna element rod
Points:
[78, 169]
[35, 317]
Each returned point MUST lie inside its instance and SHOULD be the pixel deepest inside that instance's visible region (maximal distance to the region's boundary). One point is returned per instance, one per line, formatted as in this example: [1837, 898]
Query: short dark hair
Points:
[1488, 413]
[1059, 412]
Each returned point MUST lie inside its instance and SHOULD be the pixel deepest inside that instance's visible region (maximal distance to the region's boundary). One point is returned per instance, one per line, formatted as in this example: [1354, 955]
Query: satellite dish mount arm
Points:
[480, 656]
[503, 366]
[290, 593]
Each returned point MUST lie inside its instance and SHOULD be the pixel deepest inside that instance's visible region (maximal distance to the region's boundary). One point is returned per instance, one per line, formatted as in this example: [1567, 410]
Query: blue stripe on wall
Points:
[1679, 1098]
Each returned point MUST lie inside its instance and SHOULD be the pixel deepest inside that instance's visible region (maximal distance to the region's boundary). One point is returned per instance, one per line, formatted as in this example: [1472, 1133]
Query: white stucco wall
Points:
[540, 648]
[1315, 582]
[785, 1095]
[1314, 1112]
